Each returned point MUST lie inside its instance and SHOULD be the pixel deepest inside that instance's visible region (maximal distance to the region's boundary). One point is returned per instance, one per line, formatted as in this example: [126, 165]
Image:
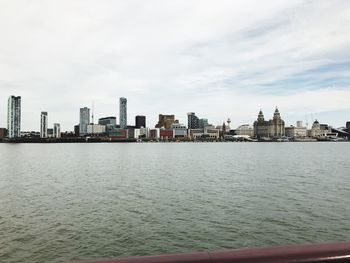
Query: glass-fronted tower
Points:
[84, 120]
[123, 113]
[193, 121]
[14, 117]
[140, 121]
[43, 124]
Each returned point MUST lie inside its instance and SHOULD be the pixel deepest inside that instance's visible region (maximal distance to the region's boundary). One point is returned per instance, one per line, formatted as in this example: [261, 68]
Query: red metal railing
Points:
[325, 253]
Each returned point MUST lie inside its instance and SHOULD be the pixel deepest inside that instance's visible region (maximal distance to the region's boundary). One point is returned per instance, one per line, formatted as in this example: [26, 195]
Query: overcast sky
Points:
[217, 58]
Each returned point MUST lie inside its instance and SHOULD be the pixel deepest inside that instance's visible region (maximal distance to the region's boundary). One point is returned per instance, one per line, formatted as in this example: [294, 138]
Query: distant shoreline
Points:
[113, 140]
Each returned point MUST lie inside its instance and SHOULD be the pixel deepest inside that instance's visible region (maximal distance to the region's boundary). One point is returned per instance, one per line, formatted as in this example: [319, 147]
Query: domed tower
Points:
[276, 115]
[277, 126]
[261, 127]
[261, 116]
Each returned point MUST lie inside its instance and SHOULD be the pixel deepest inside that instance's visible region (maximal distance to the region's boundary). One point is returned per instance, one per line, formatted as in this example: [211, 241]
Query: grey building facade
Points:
[193, 121]
[14, 117]
[123, 113]
[84, 120]
[43, 124]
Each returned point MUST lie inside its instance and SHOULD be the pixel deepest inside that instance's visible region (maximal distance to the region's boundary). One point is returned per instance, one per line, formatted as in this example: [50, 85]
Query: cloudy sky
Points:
[218, 58]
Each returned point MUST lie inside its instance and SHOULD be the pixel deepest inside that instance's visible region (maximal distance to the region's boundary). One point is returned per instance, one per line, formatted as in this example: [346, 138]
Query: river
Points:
[61, 202]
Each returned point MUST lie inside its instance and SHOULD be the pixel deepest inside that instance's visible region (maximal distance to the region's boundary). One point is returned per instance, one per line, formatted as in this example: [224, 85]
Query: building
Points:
[296, 131]
[192, 121]
[141, 133]
[14, 117]
[261, 127]
[96, 129]
[123, 113]
[108, 121]
[3, 133]
[273, 128]
[202, 123]
[276, 125]
[204, 134]
[165, 121]
[77, 130]
[140, 121]
[84, 120]
[180, 130]
[166, 134]
[50, 133]
[246, 130]
[319, 130]
[118, 133]
[154, 134]
[43, 124]
[57, 130]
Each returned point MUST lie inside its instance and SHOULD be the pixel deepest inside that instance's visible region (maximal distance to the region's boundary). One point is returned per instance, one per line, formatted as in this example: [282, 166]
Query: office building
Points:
[123, 113]
[108, 121]
[96, 129]
[43, 124]
[14, 117]
[84, 120]
[118, 133]
[165, 121]
[202, 123]
[57, 130]
[297, 131]
[180, 130]
[193, 120]
[245, 130]
[140, 121]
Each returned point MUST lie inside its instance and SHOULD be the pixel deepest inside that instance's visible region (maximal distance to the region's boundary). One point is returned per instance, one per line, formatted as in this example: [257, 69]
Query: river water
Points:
[61, 202]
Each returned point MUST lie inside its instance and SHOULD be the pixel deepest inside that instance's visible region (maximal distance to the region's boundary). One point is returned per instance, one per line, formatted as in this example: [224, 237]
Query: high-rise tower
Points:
[192, 121]
[14, 117]
[56, 130]
[43, 124]
[84, 120]
[123, 112]
[140, 121]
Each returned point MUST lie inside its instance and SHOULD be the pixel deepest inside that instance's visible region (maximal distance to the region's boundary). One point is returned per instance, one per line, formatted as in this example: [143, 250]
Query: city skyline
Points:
[220, 60]
[193, 121]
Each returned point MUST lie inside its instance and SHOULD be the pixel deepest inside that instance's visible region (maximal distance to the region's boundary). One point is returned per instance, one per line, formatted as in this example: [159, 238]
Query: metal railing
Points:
[325, 253]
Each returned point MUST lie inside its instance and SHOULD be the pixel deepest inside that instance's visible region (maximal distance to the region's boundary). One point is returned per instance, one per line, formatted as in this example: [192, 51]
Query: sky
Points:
[218, 58]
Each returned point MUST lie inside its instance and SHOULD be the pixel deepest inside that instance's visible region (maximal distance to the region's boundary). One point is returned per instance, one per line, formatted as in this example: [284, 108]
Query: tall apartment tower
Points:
[123, 113]
[140, 121]
[14, 117]
[43, 124]
[193, 120]
[56, 130]
[84, 120]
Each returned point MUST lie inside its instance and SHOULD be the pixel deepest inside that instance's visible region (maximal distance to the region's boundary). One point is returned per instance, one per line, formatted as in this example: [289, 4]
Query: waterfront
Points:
[61, 202]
